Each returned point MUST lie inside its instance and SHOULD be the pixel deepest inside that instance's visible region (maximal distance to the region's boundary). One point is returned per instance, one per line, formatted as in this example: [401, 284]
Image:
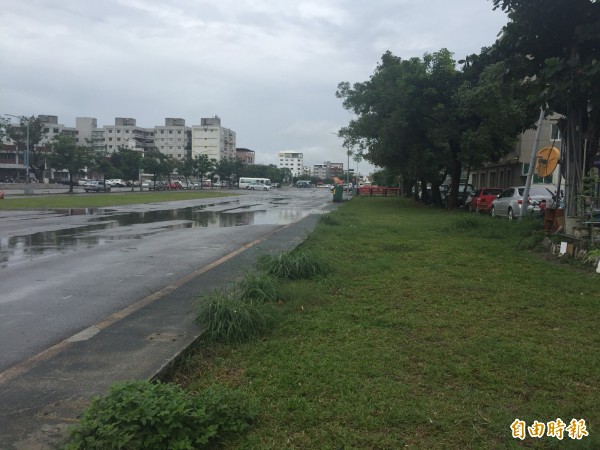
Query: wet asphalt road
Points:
[64, 271]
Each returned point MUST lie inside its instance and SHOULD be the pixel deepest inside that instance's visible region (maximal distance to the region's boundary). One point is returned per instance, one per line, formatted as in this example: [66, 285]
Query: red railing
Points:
[378, 190]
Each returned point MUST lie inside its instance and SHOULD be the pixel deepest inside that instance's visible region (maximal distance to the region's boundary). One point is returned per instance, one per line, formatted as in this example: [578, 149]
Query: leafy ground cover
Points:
[435, 330]
[99, 200]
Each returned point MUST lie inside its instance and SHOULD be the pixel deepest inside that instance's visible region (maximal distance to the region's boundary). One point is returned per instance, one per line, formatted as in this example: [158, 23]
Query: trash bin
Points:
[338, 193]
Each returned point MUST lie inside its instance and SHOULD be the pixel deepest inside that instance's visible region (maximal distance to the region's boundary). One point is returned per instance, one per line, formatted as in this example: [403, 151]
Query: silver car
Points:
[509, 202]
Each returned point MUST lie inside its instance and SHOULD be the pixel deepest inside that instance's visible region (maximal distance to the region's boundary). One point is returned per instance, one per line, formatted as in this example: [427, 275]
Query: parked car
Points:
[481, 200]
[464, 191]
[158, 186]
[509, 202]
[96, 186]
[175, 185]
[117, 182]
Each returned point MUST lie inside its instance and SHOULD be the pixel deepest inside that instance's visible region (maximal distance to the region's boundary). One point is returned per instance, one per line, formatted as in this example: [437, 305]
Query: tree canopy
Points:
[426, 119]
[67, 155]
[29, 130]
[553, 47]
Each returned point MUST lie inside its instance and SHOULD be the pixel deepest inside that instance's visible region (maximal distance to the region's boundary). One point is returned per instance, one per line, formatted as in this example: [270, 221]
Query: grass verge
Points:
[431, 332]
[102, 200]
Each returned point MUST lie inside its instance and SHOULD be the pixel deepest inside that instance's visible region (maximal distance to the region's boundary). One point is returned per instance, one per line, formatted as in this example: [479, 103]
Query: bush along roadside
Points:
[157, 416]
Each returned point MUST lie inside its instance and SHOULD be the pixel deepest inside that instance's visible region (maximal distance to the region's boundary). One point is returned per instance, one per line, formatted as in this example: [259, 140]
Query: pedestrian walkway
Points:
[42, 397]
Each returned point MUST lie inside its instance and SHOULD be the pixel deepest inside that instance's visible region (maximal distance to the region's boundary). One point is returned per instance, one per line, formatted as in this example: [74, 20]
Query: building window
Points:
[55, 130]
[178, 131]
[555, 133]
[127, 131]
[118, 139]
[110, 130]
[170, 131]
[110, 139]
[118, 131]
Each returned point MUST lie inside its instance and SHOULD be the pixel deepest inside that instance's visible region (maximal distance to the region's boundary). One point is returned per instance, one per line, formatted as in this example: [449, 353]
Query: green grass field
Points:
[98, 200]
[436, 331]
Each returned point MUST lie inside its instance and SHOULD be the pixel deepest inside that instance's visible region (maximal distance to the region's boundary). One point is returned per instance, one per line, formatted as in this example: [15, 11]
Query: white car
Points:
[116, 182]
[257, 186]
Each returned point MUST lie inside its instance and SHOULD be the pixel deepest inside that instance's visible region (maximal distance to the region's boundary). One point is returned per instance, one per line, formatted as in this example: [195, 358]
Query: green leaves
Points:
[142, 414]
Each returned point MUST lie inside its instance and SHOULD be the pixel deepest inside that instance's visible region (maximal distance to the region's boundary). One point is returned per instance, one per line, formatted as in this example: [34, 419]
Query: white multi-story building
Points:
[52, 129]
[124, 133]
[210, 138]
[291, 160]
[172, 138]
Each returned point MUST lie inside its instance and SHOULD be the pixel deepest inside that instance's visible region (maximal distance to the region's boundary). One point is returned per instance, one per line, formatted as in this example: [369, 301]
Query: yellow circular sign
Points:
[546, 161]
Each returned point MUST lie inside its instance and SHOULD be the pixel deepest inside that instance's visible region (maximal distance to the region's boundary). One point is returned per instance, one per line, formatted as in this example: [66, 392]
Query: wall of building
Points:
[511, 170]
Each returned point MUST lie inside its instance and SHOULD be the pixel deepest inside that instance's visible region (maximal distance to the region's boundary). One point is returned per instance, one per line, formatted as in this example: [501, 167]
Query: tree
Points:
[128, 162]
[228, 169]
[30, 129]
[406, 117]
[156, 163]
[187, 169]
[426, 120]
[553, 47]
[203, 166]
[67, 155]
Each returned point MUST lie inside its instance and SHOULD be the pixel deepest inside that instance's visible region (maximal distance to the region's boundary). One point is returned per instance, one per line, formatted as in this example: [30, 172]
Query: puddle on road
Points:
[106, 226]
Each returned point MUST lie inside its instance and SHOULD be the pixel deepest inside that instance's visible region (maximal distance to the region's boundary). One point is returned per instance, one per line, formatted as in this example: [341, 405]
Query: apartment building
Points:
[320, 171]
[173, 138]
[293, 161]
[210, 138]
[245, 155]
[85, 126]
[52, 129]
[124, 133]
[328, 170]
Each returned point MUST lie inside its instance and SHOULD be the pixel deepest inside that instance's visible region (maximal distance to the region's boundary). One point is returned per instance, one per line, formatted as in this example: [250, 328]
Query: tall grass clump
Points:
[295, 265]
[328, 219]
[155, 416]
[224, 317]
[259, 287]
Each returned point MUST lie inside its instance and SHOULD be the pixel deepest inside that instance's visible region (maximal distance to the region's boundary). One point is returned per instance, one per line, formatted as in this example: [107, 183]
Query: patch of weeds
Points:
[142, 414]
[259, 287]
[466, 222]
[295, 265]
[328, 219]
[226, 318]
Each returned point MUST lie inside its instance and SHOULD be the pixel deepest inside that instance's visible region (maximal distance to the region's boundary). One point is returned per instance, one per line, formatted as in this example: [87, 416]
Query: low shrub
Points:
[295, 265]
[142, 414]
[225, 318]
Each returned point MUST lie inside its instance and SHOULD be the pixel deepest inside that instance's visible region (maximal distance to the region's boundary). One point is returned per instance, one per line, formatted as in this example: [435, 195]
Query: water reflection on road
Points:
[106, 226]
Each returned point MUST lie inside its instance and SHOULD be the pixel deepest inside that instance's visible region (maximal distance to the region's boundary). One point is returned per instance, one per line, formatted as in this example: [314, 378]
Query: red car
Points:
[483, 198]
[175, 185]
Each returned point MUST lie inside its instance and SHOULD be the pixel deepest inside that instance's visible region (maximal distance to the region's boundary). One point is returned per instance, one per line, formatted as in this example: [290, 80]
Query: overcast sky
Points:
[268, 68]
